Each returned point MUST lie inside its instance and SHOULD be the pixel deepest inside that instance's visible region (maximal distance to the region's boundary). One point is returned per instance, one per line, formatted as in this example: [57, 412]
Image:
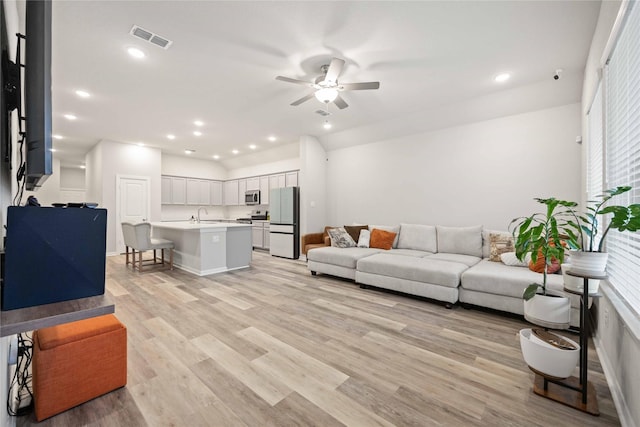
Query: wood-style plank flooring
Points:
[274, 346]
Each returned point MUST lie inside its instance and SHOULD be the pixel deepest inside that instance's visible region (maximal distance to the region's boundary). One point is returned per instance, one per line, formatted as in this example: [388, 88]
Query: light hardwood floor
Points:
[273, 346]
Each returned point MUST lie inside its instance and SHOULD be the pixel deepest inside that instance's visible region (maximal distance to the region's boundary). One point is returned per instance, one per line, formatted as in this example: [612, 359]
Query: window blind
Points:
[595, 147]
[622, 129]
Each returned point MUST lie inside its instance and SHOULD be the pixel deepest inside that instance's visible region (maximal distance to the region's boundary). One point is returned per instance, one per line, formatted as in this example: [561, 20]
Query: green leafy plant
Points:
[545, 234]
[623, 218]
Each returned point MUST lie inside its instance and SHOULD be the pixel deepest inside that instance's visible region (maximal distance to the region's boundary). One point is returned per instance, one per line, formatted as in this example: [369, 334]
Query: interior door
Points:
[133, 204]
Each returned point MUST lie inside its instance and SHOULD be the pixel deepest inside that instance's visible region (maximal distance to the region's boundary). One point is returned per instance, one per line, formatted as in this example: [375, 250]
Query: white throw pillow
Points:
[510, 259]
[340, 238]
[363, 240]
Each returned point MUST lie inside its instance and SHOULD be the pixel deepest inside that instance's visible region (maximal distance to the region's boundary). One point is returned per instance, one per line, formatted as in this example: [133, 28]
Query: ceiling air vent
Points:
[323, 113]
[150, 37]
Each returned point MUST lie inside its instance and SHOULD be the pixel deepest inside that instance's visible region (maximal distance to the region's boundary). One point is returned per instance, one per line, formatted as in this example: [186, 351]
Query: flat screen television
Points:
[38, 92]
[53, 255]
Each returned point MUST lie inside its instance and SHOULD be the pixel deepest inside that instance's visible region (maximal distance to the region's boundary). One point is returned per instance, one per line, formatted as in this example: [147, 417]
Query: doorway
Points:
[132, 203]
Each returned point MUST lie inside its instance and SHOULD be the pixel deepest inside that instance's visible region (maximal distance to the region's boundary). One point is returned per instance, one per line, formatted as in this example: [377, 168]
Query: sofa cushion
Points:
[460, 240]
[419, 237]
[510, 258]
[409, 252]
[354, 230]
[467, 260]
[381, 239]
[344, 257]
[497, 278]
[392, 228]
[443, 273]
[340, 238]
[364, 239]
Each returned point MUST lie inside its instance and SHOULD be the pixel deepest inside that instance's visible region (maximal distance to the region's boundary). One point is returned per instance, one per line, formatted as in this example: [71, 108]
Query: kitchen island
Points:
[207, 247]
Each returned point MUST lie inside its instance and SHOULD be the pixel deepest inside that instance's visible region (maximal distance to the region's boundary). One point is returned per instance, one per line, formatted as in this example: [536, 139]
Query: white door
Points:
[132, 204]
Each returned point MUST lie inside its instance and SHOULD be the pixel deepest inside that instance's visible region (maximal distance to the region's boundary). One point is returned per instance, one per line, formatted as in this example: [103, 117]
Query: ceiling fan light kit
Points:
[327, 87]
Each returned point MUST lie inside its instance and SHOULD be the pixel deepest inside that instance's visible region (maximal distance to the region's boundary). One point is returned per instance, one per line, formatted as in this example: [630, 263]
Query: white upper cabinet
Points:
[231, 193]
[178, 191]
[291, 179]
[166, 190]
[198, 192]
[264, 190]
[277, 181]
[242, 188]
[253, 183]
[204, 190]
[216, 193]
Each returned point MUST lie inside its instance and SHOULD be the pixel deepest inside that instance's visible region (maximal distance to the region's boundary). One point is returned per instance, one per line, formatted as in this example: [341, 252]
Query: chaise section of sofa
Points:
[339, 262]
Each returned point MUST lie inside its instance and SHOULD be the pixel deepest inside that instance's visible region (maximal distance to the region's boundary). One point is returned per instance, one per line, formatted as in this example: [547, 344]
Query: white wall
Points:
[131, 160]
[192, 168]
[313, 181]
[93, 178]
[72, 178]
[480, 173]
[617, 336]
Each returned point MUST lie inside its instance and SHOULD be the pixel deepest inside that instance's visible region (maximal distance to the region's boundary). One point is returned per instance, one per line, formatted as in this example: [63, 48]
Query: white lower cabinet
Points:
[260, 231]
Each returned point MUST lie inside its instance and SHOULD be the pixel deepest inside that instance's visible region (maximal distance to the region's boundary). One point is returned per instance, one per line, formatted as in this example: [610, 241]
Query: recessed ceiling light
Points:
[235, 151]
[140, 144]
[82, 94]
[198, 123]
[189, 151]
[253, 146]
[171, 136]
[57, 136]
[53, 150]
[197, 133]
[272, 138]
[136, 53]
[500, 78]
[215, 156]
[70, 117]
[83, 167]
[326, 125]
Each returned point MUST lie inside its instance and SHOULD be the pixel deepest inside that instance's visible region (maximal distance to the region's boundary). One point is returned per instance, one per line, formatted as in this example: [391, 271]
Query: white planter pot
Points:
[551, 310]
[547, 359]
[577, 283]
[594, 263]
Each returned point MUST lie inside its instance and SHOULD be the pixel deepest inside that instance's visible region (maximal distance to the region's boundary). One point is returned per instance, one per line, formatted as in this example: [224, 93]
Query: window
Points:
[622, 145]
[595, 148]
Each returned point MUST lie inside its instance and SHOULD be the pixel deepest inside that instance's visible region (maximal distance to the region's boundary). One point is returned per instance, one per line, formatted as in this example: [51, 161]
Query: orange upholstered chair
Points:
[76, 362]
[316, 240]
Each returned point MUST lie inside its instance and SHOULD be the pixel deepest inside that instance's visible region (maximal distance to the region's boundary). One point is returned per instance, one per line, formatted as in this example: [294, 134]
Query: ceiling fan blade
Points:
[335, 68]
[296, 81]
[340, 103]
[303, 99]
[359, 86]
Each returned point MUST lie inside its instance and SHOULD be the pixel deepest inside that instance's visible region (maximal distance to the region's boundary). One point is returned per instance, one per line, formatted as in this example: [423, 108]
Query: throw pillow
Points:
[340, 238]
[363, 240]
[499, 244]
[538, 266]
[354, 230]
[382, 239]
[391, 228]
[510, 259]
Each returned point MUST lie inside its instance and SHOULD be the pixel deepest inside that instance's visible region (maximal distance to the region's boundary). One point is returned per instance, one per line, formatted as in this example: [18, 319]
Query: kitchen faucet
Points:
[205, 211]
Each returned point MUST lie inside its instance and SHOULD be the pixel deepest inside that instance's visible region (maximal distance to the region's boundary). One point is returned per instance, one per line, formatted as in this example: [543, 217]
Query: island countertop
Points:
[188, 225]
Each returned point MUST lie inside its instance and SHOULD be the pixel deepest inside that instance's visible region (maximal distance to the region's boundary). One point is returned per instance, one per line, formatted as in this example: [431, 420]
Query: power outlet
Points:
[606, 317]
[13, 350]
[215, 238]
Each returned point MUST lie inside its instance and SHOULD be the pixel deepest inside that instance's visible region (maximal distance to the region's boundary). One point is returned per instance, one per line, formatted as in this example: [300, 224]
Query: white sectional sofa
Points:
[447, 264]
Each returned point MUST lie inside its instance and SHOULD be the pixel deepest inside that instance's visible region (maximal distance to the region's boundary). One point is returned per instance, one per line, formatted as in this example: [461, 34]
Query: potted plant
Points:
[545, 235]
[591, 260]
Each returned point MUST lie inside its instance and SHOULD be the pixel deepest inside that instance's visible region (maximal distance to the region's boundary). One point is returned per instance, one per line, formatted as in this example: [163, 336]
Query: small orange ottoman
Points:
[76, 362]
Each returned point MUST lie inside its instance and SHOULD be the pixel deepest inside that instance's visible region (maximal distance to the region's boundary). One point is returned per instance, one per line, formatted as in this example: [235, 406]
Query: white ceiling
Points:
[222, 65]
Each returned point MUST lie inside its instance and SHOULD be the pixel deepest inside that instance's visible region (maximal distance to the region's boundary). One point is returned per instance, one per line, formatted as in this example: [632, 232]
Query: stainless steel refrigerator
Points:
[284, 227]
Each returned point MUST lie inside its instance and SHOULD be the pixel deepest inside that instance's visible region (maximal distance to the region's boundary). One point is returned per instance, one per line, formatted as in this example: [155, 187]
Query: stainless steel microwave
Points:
[252, 197]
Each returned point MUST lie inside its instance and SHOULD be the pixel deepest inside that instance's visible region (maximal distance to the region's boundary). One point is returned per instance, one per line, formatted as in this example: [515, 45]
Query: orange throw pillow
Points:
[538, 266]
[382, 239]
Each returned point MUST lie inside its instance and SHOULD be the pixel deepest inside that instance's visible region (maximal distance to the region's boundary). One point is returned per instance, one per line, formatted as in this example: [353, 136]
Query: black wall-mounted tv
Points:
[38, 92]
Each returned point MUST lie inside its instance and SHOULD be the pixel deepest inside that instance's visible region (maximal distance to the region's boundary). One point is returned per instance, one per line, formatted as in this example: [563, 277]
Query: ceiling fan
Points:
[327, 87]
